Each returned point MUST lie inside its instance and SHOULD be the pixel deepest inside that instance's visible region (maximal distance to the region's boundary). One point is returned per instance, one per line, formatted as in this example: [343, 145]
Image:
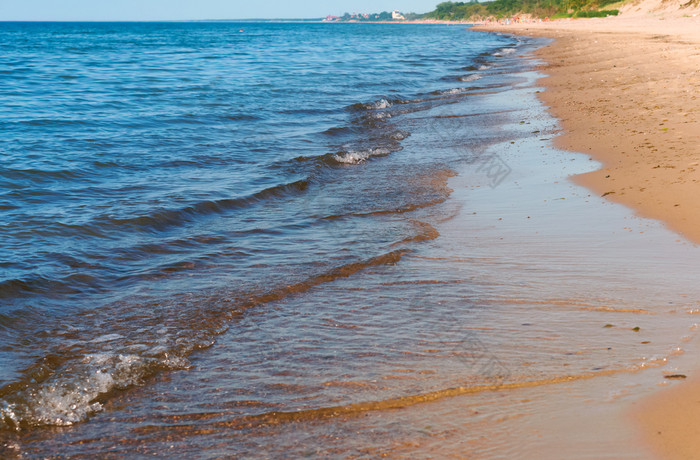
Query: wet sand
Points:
[625, 90]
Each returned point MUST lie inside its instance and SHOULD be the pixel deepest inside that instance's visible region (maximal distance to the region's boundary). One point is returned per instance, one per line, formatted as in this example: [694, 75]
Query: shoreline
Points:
[637, 119]
[624, 90]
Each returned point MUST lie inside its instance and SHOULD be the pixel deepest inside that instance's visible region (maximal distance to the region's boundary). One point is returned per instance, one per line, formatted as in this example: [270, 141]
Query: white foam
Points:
[356, 157]
[472, 77]
[381, 115]
[453, 91]
[107, 338]
[69, 397]
[381, 104]
[504, 52]
[399, 135]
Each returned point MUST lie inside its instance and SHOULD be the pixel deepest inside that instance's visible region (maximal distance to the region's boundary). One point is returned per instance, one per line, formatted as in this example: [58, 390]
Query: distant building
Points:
[331, 19]
[396, 15]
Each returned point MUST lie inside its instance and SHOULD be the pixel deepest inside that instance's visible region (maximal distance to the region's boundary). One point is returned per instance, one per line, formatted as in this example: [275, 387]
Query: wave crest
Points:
[472, 77]
[356, 157]
[71, 397]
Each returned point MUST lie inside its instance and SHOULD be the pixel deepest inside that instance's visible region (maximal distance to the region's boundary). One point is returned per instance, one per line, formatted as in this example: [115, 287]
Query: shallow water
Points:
[158, 180]
[414, 303]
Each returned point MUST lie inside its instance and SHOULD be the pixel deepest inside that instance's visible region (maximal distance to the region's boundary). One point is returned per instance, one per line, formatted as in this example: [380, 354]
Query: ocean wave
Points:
[379, 115]
[165, 218]
[504, 51]
[47, 122]
[472, 77]
[399, 135]
[105, 353]
[473, 68]
[81, 273]
[32, 284]
[451, 91]
[388, 142]
[356, 157]
[72, 396]
[372, 105]
[379, 104]
[105, 226]
[27, 315]
[242, 117]
[43, 175]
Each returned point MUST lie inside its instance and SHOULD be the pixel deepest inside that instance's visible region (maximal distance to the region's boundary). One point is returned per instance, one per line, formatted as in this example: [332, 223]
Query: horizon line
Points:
[163, 20]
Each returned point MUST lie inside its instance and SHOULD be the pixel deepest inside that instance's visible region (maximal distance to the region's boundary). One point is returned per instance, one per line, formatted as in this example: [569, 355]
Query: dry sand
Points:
[626, 91]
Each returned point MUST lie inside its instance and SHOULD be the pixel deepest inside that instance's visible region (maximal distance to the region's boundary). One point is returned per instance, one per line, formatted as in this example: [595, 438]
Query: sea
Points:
[283, 240]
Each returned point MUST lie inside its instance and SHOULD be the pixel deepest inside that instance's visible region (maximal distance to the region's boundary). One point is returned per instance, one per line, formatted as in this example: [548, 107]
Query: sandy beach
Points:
[625, 90]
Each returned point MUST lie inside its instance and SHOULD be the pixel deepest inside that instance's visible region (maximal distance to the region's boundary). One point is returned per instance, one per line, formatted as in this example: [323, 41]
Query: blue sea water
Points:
[133, 151]
[159, 180]
[272, 240]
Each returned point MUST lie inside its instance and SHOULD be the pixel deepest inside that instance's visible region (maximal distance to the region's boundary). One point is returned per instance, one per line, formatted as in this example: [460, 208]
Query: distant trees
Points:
[456, 11]
[475, 10]
[383, 16]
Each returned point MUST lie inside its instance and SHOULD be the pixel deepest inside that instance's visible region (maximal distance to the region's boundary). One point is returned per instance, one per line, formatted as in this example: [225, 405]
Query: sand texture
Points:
[626, 91]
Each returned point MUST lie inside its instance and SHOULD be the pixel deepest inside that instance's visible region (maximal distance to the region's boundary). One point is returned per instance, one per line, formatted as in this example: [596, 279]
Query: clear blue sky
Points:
[144, 10]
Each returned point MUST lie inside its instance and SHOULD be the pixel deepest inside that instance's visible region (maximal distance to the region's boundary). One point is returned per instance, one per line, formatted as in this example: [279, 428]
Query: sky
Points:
[146, 10]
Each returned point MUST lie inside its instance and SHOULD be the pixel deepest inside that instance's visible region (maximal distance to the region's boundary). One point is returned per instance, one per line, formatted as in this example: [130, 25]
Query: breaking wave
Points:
[356, 157]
